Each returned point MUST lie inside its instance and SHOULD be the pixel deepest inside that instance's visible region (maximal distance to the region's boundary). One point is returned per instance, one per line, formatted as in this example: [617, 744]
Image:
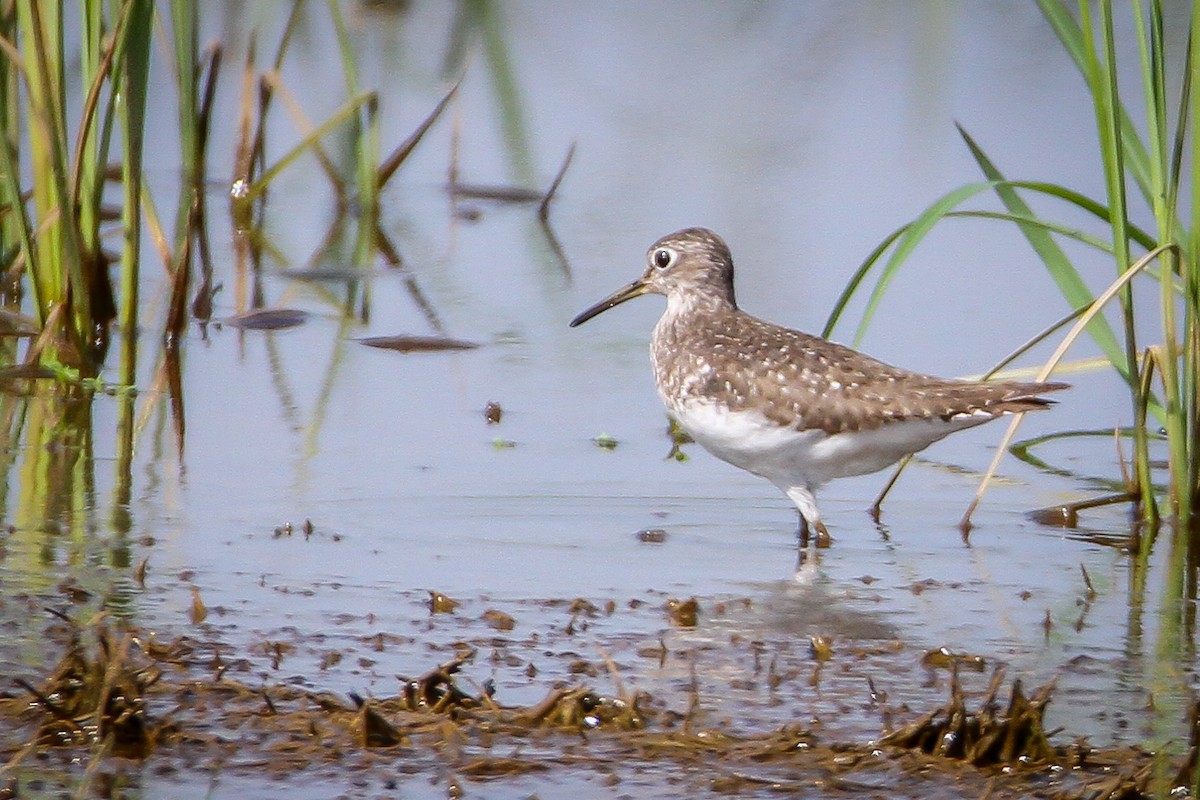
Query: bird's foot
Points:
[823, 537]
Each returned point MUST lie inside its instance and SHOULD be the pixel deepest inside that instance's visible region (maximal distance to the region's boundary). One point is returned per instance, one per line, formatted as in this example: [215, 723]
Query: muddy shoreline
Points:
[183, 712]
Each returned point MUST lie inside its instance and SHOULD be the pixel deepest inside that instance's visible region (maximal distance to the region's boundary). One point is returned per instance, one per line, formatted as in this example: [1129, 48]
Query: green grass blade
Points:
[1073, 40]
[347, 110]
[1085, 203]
[88, 172]
[857, 278]
[1066, 232]
[1152, 53]
[1101, 69]
[1190, 269]
[17, 219]
[39, 82]
[1184, 121]
[184, 24]
[134, 74]
[1061, 270]
[908, 241]
[909, 236]
[1049, 189]
[366, 146]
[1153, 70]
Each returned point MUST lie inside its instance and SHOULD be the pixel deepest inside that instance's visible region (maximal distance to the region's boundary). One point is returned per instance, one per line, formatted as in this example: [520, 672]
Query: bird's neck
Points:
[687, 320]
[687, 304]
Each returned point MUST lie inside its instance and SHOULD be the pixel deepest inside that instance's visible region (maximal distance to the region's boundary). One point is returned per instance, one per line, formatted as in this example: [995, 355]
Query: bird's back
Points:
[795, 380]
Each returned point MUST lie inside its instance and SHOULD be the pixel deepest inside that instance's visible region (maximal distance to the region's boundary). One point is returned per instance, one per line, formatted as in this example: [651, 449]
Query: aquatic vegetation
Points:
[1163, 378]
[171, 705]
[1151, 171]
[985, 737]
[207, 702]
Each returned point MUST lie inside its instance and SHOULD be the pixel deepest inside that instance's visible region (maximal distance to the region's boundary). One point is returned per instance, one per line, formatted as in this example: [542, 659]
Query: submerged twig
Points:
[402, 152]
[1067, 514]
[544, 207]
[557, 248]
[393, 258]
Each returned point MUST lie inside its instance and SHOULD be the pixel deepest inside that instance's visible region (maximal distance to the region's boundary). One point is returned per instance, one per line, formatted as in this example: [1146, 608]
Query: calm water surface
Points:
[804, 134]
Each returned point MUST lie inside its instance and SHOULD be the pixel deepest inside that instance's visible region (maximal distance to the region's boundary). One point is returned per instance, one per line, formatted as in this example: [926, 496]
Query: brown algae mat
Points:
[121, 700]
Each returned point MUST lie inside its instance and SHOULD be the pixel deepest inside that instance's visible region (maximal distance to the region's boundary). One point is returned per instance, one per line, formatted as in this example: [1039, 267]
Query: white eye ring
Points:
[663, 257]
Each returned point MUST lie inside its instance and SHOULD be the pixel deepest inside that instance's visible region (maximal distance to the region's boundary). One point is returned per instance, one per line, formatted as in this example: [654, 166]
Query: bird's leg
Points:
[810, 517]
[805, 534]
[823, 537]
[808, 561]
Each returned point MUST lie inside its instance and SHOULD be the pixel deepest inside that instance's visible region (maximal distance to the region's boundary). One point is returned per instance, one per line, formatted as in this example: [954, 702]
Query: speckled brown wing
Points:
[805, 382]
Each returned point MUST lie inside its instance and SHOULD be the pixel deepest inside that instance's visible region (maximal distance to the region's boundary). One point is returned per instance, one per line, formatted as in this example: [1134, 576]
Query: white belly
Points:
[811, 458]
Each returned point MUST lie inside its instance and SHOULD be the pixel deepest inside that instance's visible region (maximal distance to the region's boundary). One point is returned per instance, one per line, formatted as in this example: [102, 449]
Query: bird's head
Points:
[692, 267]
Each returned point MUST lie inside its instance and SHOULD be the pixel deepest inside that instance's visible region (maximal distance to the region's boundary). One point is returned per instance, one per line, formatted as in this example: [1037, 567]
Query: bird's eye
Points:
[663, 258]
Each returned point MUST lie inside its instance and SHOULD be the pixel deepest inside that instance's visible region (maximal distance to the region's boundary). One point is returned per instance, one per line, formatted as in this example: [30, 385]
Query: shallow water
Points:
[804, 134]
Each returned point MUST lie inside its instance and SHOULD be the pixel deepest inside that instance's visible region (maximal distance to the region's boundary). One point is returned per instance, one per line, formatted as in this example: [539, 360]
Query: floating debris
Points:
[652, 535]
[499, 620]
[418, 344]
[583, 606]
[268, 319]
[71, 589]
[327, 274]
[468, 213]
[945, 658]
[582, 708]
[676, 432]
[678, 437]
[1063, 516]
[198, 612]
[493, 413]
[441, 604]
[821, 646]
[605, 441]
[498, 194]
[684, 613]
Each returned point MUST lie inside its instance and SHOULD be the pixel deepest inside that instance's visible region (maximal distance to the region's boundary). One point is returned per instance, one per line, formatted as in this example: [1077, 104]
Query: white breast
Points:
[788, 457]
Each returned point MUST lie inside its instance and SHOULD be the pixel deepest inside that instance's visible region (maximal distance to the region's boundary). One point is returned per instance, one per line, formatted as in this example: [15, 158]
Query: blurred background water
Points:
[804, 133]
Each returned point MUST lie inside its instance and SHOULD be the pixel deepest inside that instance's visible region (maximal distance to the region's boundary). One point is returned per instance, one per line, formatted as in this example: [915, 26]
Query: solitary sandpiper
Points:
[795, 409]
